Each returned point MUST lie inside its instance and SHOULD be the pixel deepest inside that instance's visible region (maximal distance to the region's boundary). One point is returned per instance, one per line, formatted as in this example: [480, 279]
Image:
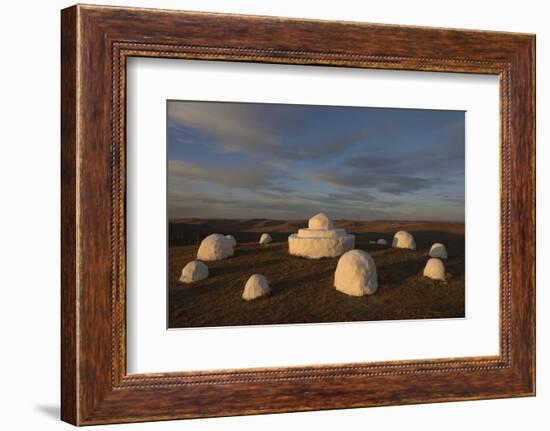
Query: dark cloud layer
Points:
[290, 161]
[385, 182]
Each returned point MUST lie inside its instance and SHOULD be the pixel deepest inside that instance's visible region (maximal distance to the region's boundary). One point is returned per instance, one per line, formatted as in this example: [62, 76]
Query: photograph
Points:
[287, 214]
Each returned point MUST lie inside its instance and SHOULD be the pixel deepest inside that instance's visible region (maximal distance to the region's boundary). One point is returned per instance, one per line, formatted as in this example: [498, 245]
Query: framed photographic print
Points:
[257, 172]
[265, 214]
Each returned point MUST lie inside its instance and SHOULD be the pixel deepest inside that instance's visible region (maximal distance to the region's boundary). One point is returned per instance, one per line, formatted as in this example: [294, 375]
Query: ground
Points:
[302, 289]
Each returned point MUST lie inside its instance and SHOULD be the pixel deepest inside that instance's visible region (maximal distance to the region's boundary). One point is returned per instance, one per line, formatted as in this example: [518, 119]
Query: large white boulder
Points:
[356, 274]
[265, 238]
[194, 271]
[403, 239]
[255, 287]
[435, 269]
[231, 240]
[215, 247]
[438, 250]
[382, 241]
[320, 221]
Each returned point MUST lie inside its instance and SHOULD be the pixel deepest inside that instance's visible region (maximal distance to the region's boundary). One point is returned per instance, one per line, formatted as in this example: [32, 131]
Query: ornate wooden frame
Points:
[95, 43]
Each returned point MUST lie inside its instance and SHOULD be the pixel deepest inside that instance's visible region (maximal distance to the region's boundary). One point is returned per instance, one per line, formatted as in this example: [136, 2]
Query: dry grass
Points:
[302, 289]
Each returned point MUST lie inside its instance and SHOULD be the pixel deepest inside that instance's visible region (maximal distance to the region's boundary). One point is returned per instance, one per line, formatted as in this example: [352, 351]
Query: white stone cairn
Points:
[320, 239]
[255, 287]
[356, 274]
[215, 247]
[194, 271]
[438, 250]
[403, 239]
[435, 269]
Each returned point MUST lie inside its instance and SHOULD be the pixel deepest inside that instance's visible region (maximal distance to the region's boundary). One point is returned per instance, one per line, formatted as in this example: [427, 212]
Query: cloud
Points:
[270, 205]
[386, 183]
[433, 158]
[423, 168]
[244, 177]
[289, 161]
[236, 127]
[275, 131]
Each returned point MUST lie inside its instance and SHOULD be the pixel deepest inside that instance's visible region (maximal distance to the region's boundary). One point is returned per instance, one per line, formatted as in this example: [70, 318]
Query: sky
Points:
[287, 162]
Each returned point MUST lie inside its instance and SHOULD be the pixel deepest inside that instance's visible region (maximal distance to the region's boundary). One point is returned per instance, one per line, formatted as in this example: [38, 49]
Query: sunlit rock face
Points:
[215, 247]
[320, 221]
[265, 238]
[255, 287]
[320, 239]
[435, 269]
[404, 239]
[438, 250]
[356, 274]
[194, 271]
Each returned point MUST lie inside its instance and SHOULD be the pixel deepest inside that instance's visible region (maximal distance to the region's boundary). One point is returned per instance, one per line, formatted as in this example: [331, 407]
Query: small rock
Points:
[404, 239]
[438, 250]
[382, 241]
[435, 269]
[194, 271]
[255, 287]
[265, 238]
[356, 274]
[215, 247]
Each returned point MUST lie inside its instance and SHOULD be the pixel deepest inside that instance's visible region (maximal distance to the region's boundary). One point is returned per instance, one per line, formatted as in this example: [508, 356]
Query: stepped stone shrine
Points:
[320, 239]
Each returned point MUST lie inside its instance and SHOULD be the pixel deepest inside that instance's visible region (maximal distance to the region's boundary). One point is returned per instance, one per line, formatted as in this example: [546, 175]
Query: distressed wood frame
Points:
[95, 43]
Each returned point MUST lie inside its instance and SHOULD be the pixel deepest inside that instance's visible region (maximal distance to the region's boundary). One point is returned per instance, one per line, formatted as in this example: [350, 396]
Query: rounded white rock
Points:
[231, 240]
[255, 287]
[194, 271]
[265, 238]
[438, 250]
[356, 274]
[215, 247]
[382, 241]
[435, 269]
[404, 239]
[320, 221]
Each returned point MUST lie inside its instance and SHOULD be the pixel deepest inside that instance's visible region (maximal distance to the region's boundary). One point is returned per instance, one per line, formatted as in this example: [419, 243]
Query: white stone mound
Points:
[232, 240]
[382, 241]
[194, 271]
[320, 239]
[356, 274]
[255, 287]
[215, 247]
[403, 239]
[265, 238]
[320, 221]
[438, 250]
[435, 269]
